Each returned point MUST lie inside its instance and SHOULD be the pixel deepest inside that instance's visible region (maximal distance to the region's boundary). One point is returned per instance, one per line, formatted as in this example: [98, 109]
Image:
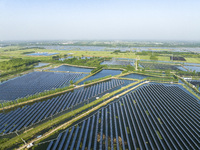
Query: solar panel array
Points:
[28, 115]
[35, 82]
[103, 73]
[154, 116]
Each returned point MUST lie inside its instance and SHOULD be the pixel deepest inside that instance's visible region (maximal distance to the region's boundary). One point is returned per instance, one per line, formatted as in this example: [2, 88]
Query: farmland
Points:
[18, 52]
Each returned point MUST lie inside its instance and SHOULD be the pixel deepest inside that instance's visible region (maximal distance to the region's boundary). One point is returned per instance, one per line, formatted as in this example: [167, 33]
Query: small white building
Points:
[187, 78]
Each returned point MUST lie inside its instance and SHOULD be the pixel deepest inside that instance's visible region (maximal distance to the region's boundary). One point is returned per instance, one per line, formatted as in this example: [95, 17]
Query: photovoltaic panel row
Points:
[35, 82]
[28, 115]
[154, 116]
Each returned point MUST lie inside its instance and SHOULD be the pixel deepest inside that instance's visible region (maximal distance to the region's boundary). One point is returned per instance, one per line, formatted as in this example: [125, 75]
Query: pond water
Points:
[71, 69]
[135, 76]
[192, 68]
[103, 73]
[181, 68]
[69, 57]
[193, 64]
[179, 81]
[86, 57]
[40, 65]
[42, 54]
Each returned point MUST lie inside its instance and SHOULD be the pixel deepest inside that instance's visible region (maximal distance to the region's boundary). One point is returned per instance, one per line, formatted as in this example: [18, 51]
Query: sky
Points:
[100, 20]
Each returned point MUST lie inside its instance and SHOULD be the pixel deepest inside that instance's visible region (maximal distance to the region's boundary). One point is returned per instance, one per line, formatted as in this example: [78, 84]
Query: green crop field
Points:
[3, 60]
[16, 52]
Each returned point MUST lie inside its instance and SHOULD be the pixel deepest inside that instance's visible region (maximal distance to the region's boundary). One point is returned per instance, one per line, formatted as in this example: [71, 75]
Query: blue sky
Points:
[99, 19]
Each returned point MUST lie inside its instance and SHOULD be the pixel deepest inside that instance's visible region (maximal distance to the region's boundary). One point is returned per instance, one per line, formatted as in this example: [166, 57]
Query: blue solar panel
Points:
[155, 116]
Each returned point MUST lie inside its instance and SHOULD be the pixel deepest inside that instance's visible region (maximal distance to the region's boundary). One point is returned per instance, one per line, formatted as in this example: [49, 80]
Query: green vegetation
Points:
[147, 112]
[16, 65]
[4, 60]
[30, 52]
[100, 67]
[143, 53]
[159, 120]
[118, 51]
[159, 135]
[154, 57]
[129, 68]
[92, 62]
[3, 140]
[16, 52]
[71, 82]
[150, 73]
[187, 73]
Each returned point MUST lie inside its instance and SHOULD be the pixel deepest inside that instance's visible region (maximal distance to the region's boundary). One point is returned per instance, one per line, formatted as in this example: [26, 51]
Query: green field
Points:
[18, 52]
[4, 60]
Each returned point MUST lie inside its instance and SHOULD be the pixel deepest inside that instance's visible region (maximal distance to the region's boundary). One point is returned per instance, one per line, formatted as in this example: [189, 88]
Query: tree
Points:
[197, 86]
[167, 72]
[71, 82]
[55, 57]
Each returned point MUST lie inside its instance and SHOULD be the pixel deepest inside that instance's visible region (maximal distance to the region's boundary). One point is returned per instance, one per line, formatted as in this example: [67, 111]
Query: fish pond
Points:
[42, 54]
[41, 65]
[193, 68]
